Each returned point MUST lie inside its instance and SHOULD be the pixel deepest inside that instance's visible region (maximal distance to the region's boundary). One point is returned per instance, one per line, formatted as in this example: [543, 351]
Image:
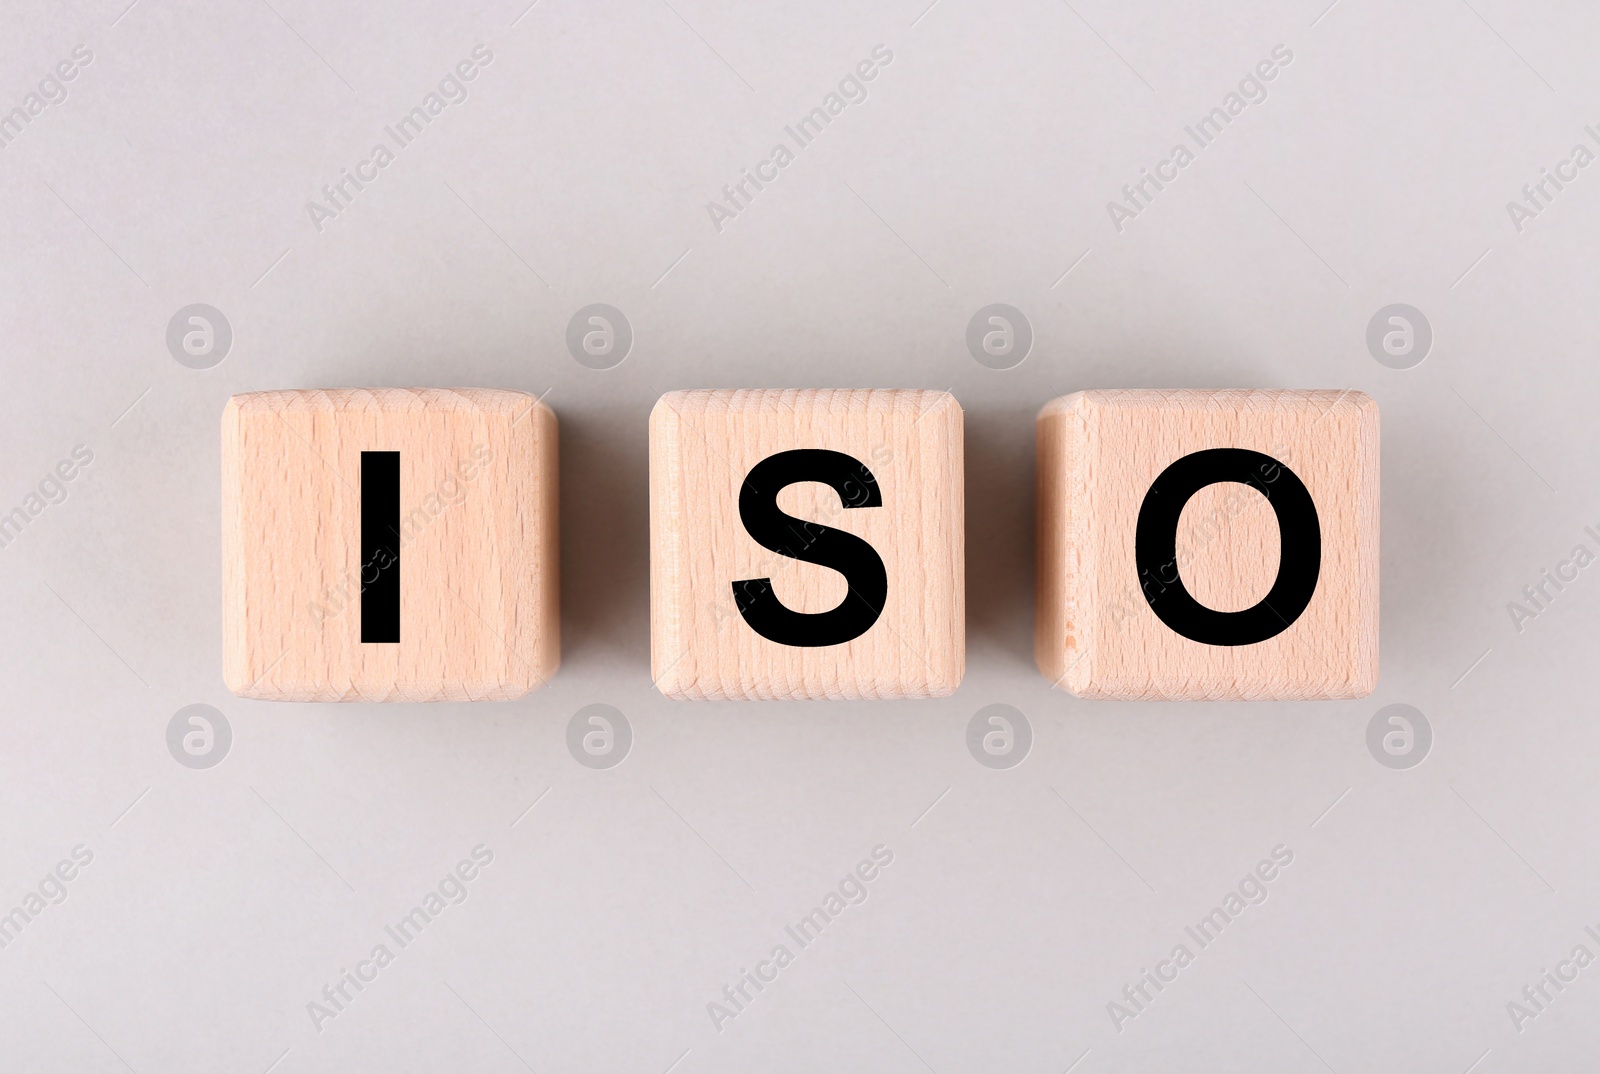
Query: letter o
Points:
[1300, 543]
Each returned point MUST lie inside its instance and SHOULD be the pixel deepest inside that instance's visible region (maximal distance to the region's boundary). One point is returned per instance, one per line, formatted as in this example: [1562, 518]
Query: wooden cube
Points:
[806, 544]
[1205, 545]
[388, 544]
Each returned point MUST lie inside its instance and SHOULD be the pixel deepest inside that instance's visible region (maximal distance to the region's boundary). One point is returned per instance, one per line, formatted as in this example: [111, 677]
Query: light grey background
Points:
[1021, 901]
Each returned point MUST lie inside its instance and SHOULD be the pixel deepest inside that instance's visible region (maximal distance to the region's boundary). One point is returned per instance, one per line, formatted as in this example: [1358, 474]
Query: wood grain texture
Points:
[478, 589]
[704, 443]
[1099, 452]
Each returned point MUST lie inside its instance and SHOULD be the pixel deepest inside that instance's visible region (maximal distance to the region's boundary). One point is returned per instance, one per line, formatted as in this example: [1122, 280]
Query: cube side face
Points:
[543, 525]
[666, 544]
[478, 587]
[704, 446]
[1055, 649]
[1227, 544]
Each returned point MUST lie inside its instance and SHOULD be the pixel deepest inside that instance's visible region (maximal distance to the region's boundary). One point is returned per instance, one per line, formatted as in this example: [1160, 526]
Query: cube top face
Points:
[1147, 531]
[391, 544]
[752, 492]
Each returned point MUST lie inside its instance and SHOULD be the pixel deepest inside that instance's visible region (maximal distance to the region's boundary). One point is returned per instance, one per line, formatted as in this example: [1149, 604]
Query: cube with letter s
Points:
[806, 544]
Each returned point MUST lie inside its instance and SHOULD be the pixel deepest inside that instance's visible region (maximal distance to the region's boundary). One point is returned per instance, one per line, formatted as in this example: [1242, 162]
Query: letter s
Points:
[482, 54]
[844, 552]
[882, 54]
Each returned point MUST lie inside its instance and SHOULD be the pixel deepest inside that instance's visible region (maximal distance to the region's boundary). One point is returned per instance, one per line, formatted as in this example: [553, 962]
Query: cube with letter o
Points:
[1204, 545]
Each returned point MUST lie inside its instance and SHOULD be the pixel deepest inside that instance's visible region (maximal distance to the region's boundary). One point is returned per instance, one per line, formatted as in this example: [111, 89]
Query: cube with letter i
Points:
[806, 544]
[1205, 545]
[388, 544]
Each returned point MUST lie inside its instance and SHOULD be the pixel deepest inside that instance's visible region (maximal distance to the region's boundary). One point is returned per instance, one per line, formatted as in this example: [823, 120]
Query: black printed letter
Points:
[1299, 558]
[811, 542]
[380, 546]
